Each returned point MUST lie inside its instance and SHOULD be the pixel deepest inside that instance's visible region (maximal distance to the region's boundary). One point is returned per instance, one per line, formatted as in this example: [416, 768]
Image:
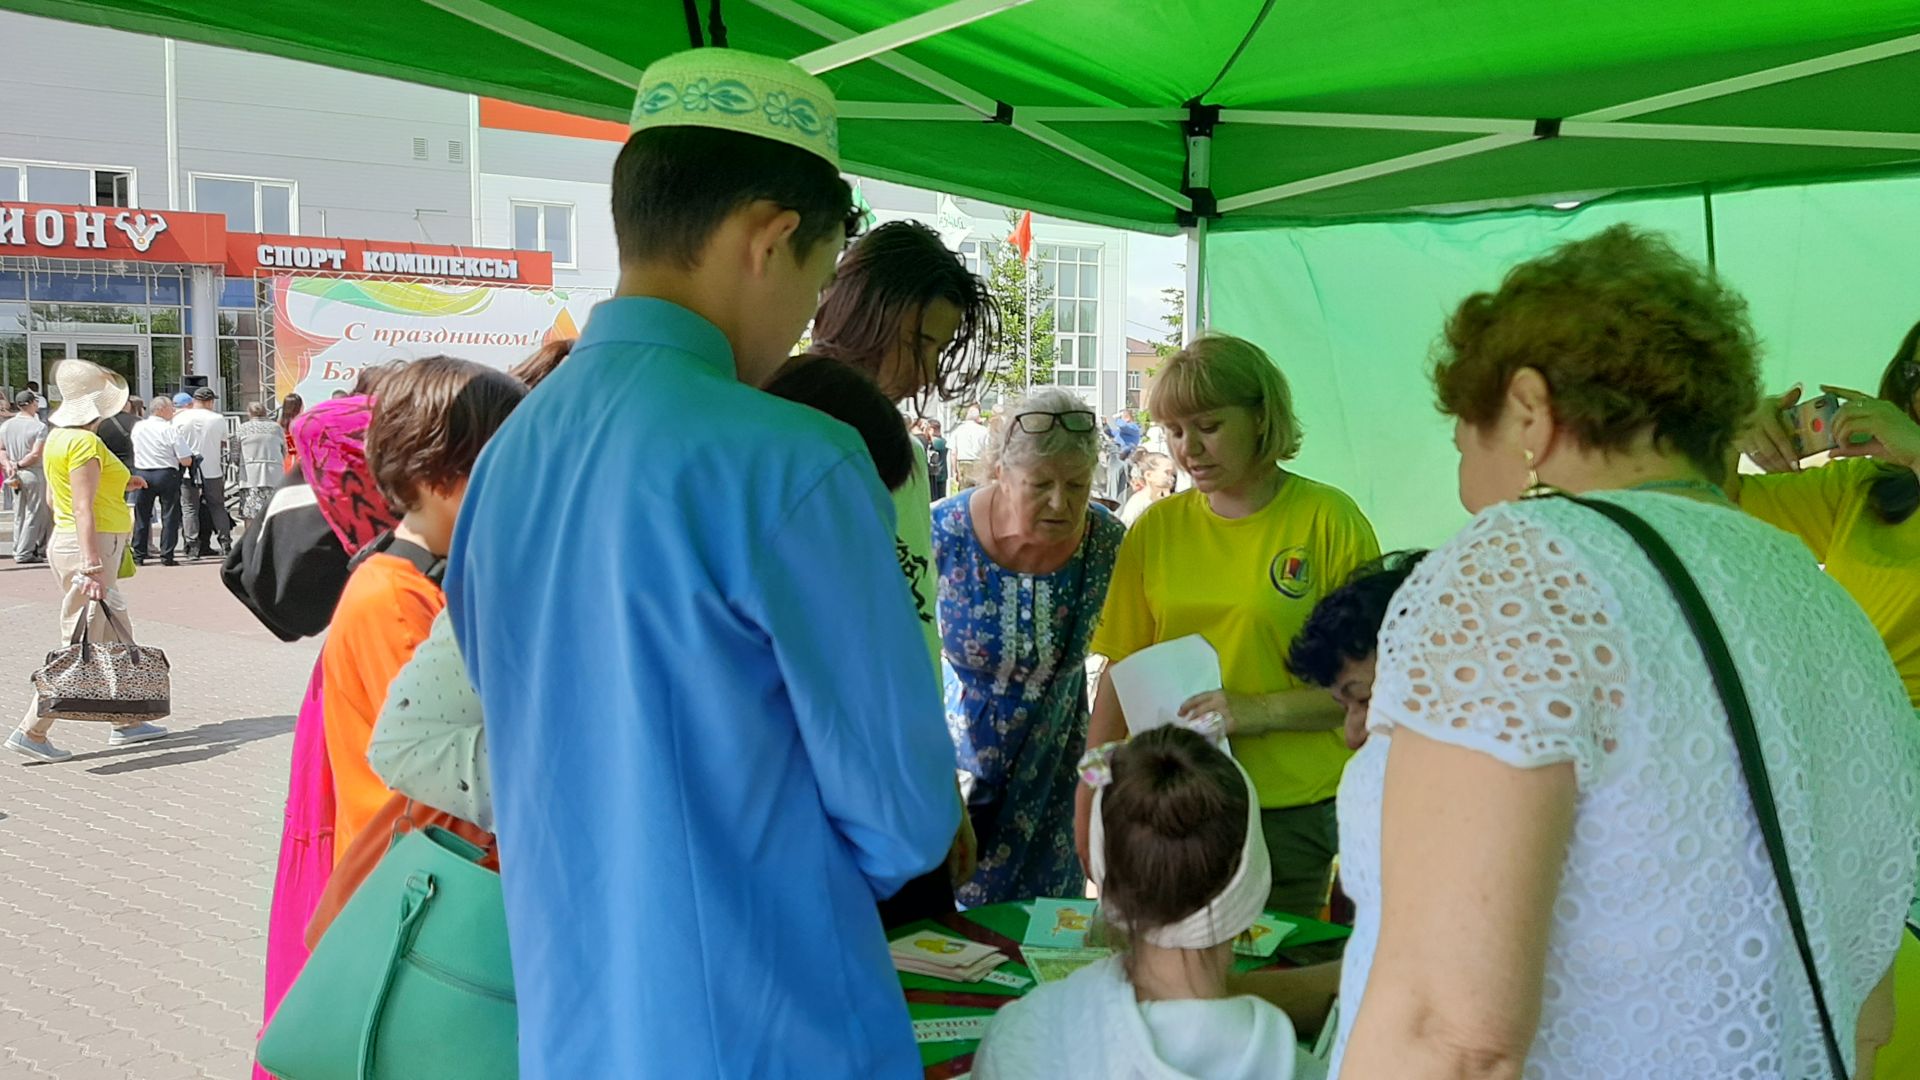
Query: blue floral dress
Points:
[1015, 650]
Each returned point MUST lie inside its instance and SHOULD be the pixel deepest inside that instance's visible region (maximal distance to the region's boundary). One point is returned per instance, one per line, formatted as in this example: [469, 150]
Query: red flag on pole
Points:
[1022, 235]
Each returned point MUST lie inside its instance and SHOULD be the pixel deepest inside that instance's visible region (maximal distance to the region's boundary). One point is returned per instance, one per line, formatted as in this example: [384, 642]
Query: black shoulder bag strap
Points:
[433, 567]
[1740, 715]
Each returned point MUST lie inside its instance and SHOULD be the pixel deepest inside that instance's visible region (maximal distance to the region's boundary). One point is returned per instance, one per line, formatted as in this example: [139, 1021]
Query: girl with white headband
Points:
[1182, 866]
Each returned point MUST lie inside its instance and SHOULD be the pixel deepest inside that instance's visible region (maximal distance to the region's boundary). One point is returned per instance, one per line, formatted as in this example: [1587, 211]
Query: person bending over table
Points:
[1557, 868]
[1241, 559]
[1023, 564]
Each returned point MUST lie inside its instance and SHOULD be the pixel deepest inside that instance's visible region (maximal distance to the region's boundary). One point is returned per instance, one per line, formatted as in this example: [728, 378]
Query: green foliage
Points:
[1174, 319]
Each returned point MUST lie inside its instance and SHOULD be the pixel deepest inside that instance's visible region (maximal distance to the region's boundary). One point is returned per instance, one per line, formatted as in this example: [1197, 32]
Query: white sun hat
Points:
[88, 392]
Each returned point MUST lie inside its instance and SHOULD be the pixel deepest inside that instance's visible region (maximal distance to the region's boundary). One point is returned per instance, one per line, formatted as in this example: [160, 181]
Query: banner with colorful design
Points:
[325, 330]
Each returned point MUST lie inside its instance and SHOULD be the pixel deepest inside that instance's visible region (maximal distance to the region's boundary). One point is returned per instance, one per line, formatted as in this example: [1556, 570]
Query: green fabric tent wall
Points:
[1351, 312]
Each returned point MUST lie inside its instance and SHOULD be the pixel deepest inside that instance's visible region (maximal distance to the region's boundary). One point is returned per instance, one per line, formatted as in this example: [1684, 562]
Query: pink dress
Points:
[330, 443]
[306, 852]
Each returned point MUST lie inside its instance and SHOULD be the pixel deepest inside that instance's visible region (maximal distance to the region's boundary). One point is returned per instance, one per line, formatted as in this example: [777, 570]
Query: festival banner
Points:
[325, 330]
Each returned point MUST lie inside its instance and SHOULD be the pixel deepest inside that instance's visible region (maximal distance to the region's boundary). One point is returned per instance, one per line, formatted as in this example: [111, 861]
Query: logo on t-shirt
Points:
[1289, 573]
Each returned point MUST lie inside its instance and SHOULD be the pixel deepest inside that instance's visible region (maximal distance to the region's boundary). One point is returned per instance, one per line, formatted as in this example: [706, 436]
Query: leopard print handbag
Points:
[111, 681]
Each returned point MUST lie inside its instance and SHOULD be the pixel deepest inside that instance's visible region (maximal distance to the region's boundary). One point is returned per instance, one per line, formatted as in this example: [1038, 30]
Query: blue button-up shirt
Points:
[715, 734]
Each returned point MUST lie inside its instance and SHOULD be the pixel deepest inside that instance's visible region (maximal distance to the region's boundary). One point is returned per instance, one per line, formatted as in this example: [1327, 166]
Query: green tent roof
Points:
[1330, 109]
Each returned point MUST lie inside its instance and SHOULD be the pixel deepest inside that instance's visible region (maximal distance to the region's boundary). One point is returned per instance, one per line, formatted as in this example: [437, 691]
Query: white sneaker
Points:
[139, 733]
[37, 749]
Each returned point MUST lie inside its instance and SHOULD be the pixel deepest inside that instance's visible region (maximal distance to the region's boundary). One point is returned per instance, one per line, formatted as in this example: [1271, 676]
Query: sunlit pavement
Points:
[134, 882]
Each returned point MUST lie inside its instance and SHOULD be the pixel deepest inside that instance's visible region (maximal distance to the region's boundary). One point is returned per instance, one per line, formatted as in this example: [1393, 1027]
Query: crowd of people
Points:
[751, 687]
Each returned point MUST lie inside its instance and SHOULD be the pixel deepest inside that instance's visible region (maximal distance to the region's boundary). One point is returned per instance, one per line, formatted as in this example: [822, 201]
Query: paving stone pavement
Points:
[134, 882]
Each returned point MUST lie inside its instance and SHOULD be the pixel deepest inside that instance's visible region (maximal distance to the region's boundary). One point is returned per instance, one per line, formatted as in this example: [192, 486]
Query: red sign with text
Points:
[166, 236]
[111, 232]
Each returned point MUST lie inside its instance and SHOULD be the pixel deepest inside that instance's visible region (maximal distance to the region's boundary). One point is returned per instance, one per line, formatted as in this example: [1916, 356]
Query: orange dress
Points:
[384, 614]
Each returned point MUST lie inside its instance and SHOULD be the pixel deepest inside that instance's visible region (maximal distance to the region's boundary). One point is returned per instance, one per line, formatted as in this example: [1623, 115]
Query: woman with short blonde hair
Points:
[1241, 559]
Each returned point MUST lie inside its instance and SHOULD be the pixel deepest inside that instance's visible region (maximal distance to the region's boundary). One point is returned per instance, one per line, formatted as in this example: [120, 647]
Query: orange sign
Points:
[109, 232]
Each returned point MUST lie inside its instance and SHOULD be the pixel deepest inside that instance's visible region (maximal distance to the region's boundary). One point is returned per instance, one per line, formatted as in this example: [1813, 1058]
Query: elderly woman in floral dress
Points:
[1024, 562]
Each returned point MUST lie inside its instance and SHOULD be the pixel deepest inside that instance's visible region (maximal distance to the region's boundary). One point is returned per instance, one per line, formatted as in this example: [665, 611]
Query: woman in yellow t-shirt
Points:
[1241, 559]
[92, 527]
[1857, 513]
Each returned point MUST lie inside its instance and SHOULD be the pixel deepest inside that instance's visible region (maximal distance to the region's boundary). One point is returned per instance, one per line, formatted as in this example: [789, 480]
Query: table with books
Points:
[991, 955]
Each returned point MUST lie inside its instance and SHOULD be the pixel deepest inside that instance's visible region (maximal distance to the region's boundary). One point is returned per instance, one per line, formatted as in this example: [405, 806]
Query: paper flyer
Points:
[1052, 965]
[1263, 938]
[1154, 682]
[1060, 924]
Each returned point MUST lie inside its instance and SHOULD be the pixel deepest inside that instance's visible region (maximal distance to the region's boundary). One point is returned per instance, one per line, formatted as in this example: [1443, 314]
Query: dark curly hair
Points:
[1895, 493]
[880, 293]
[1630, 336]
[431, 419]
[1175, 817]
[1346, 624]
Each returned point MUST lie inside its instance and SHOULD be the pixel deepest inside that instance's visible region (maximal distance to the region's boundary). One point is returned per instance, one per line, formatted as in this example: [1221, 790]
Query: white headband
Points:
[1227, 915]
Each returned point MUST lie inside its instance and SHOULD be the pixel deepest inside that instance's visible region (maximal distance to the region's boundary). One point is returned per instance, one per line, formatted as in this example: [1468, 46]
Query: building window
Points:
[251, 205]
[978, 255]
[1073, 273]
[545, 227]
[71, 185]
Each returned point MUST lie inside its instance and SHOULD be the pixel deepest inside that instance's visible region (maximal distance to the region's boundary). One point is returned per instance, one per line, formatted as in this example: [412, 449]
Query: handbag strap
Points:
[1746, 739]
[82, 628]
[413, 906]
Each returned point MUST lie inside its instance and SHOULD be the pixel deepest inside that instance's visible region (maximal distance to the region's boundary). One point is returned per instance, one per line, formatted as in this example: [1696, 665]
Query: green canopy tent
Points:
[1413, 128]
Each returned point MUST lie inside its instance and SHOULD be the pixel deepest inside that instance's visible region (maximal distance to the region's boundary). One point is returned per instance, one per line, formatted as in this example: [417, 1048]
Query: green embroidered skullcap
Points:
[739, 91]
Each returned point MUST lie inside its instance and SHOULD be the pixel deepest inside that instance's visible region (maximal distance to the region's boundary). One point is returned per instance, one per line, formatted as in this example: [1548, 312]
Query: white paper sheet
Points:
[1154, 682]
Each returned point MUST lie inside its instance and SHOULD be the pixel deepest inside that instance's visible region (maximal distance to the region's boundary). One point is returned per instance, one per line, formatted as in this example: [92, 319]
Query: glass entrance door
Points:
[128, 355]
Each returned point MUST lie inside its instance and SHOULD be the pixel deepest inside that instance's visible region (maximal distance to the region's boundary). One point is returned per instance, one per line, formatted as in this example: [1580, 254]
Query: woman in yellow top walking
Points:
[92, 528]
[1241, 559]
[1858, 515]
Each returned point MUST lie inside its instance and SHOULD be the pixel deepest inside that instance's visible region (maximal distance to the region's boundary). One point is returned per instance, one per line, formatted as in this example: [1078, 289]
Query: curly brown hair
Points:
[1630, 336]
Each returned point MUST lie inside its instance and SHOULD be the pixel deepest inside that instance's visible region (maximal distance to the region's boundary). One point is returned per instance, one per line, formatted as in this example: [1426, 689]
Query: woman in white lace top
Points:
[1557, 868]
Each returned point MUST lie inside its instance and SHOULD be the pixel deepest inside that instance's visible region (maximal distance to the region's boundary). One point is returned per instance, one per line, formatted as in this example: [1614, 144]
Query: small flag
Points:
[862, 207]
[1022, 235]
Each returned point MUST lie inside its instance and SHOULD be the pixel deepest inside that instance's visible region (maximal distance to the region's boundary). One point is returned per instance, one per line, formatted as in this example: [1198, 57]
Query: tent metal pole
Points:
[1465, 125]
[1194, 317]
[535, 36]
[1469, 148]
[900, 110]
[989, 108]
[905, 32]
[1818, 65]
[1860, 140]
[1591, 123]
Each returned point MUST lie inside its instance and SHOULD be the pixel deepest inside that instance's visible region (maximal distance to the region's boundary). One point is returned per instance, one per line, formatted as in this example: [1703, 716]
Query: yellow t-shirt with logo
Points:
[1247, 585]
[1877, 563]
[68, 449]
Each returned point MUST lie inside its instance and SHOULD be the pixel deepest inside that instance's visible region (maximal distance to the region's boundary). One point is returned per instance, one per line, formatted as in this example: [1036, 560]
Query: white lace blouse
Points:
[1541, 635]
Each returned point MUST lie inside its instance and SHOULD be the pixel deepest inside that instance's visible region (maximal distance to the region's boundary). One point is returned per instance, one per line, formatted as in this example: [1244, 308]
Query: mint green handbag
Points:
[412, 980]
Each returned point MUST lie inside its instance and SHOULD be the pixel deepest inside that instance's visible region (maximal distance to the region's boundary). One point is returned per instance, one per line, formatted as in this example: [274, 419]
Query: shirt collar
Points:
[644, 320]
